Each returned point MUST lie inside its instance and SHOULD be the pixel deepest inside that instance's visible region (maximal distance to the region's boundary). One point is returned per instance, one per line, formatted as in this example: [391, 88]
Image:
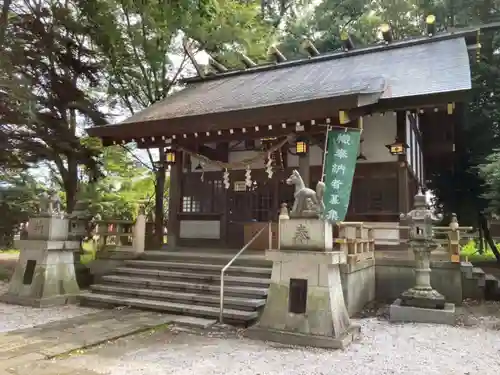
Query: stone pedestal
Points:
[422, 303]
[305, 305]
[45, 272]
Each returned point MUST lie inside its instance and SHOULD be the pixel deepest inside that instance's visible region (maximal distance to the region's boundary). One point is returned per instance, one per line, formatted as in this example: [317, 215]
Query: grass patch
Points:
[9, 251]
[471, 252]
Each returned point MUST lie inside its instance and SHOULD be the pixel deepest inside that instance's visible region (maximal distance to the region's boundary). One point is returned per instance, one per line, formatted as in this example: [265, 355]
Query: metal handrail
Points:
[224, 269]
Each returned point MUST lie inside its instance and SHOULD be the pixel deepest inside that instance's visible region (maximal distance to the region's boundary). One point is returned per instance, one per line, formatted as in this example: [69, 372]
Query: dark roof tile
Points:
[422, 69]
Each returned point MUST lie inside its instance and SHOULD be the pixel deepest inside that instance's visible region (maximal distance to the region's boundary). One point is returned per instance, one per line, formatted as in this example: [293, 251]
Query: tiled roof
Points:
[420, 69]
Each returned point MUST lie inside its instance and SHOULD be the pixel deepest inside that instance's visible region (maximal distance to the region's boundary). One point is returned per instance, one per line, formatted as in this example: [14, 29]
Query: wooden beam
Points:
[310, 128]
[278, 56]
[277, 114]
[217, 66]
[187, 50]
[310, 48]
[219, 153]
[247, 61]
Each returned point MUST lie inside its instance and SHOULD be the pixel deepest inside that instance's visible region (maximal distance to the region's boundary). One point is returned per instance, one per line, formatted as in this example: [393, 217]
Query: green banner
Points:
[340, 162]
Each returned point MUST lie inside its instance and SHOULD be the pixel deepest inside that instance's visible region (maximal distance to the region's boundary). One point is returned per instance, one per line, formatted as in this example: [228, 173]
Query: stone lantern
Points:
[420, 221]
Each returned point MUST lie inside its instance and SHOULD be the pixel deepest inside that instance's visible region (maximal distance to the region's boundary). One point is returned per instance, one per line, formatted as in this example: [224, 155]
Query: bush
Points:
[471, 251]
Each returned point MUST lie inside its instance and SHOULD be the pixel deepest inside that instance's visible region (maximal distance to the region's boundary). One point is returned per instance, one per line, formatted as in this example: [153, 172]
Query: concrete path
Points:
[26, 351]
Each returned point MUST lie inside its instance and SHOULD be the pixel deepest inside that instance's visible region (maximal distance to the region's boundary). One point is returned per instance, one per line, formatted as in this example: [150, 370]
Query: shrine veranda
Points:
[232, 137]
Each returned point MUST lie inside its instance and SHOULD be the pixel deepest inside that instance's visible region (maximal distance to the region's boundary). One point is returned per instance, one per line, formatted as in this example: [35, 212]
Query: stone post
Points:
[454, 239]
[139, 231]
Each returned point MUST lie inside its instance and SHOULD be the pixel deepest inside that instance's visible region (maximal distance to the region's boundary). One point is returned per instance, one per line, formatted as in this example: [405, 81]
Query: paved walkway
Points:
[26, 351]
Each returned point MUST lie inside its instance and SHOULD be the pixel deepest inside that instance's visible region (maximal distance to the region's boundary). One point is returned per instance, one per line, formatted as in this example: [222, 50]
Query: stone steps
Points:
[201, 268]
[195, 277]
[95, 299]
[479, 285]
[242, 303]
[152, 283]
[207, 257]
[187, 282]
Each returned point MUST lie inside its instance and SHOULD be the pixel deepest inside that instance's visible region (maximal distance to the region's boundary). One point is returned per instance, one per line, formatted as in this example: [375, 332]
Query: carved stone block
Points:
[306, 234]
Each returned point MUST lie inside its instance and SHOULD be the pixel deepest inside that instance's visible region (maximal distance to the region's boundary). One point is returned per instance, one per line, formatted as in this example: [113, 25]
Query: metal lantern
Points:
[170, 157]
[397, 147]
[301, 146]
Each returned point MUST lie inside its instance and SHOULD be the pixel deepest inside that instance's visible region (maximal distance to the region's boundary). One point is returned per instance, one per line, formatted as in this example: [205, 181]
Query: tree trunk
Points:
[4, 17]
[481, 237]
[488, 238]
[71, 183]
[159, 192]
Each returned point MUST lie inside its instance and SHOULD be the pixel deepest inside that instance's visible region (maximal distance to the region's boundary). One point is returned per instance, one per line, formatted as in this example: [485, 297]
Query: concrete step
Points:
[197, 277]
[200, 267]
[479, 275]
[229, 290]
[182, 308]
[492, 288]
[206, 257]
[478, 271]
[249, 304]
[466, 268]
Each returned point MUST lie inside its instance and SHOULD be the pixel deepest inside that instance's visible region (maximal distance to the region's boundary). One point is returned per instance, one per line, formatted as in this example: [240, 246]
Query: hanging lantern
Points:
[170, 157]
[301, 146]
[397, 147]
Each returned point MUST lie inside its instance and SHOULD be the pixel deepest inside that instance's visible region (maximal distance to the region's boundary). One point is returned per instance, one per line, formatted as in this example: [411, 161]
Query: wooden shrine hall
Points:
[234, 136]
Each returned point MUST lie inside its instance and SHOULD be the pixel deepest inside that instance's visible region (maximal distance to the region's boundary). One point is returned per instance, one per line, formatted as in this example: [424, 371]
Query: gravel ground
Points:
[14, 317]
[385, 349]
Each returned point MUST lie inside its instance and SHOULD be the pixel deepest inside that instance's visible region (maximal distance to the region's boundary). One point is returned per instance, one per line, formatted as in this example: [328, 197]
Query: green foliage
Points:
[141, 42]
[18, 201]
[125, 186]
[46, 70]
[471, 251]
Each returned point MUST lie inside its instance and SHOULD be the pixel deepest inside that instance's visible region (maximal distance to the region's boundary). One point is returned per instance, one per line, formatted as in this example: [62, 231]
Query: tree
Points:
[141, 43]
[46, 54]
[18, 202]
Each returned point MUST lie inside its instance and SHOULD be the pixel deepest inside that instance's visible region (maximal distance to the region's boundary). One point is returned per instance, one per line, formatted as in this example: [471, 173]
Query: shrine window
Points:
[205, 196]
[190, 205]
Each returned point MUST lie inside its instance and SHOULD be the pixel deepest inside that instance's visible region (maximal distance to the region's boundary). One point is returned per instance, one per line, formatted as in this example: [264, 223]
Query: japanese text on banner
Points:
[340, 163]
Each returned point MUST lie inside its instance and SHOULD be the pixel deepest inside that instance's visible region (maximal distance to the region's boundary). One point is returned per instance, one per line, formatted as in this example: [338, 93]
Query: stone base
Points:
[353, 333]
[43, 277]
[426, 299]
[43, 302]
[322, 310]
[400, 313]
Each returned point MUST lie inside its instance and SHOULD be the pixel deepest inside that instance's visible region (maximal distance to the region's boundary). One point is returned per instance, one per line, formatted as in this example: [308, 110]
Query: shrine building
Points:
[234, 136]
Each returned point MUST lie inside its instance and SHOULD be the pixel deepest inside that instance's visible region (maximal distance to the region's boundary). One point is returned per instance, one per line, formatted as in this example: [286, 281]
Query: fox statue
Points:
[308, 203]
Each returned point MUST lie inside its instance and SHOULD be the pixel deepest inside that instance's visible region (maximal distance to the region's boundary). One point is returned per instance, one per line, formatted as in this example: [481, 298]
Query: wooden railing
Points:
[450, 238]
[121, 235]
[356, 240]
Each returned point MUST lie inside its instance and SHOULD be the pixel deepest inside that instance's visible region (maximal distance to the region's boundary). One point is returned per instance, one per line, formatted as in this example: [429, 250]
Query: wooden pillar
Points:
[304, 168]
[402, 167]
[159, 206]
[402, 175]
[174, 201]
